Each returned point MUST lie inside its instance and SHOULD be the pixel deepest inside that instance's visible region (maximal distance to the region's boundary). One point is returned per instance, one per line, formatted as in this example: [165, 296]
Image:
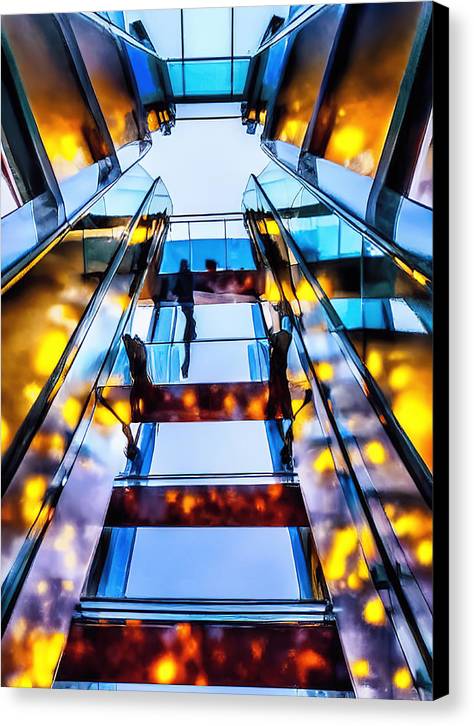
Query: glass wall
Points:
[42, 310]
[100, 53]
[154, 87]
[306, 64]
[68, 129]
[384, 305]
[369, 299]
[262, 82]
[372, 56]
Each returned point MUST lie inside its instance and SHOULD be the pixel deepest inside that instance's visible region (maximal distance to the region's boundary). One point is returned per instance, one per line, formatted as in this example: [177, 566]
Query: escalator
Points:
[206, 572]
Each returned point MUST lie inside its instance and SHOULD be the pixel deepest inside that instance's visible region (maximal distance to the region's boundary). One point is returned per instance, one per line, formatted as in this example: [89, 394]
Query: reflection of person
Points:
[279, 399]
[184, 291]
[279, 405]
[141, 382]
[131, 451]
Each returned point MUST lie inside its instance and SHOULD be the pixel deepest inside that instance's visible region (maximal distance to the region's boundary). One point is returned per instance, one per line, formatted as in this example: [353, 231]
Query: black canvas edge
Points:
[440, 351]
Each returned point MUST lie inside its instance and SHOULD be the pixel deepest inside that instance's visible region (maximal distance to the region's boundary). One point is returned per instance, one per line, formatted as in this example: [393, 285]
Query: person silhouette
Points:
[141, 381]
[184, 292]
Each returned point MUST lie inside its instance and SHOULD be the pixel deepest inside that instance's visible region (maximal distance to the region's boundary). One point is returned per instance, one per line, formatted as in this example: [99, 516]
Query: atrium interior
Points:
[217, 350]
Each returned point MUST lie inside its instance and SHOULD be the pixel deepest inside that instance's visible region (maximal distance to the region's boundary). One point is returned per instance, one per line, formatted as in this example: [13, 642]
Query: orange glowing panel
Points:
[355, 115]
[107, 73]
[200, 653]
[196, 506]
[67, 127]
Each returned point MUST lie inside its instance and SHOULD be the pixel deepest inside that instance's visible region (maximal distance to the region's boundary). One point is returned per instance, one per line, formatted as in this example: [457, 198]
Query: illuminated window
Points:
[303, 76]
[372, 56]
[67, 127]
[107, 73]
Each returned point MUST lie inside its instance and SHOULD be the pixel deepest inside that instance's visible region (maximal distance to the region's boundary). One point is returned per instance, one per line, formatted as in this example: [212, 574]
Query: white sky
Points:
[205, 164]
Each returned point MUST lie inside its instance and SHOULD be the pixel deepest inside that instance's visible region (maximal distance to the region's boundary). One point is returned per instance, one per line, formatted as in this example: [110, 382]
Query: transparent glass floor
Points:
[207, 447]
[208, 362]
[215, 321]
[206, 563]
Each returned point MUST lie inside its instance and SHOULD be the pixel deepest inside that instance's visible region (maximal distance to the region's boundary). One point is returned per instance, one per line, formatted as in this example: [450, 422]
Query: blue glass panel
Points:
[175, 69]
[240, 74]
[204, 250]
[146, 74]
[239, 255]
[207, 78]
[173, 253]
[117, 18]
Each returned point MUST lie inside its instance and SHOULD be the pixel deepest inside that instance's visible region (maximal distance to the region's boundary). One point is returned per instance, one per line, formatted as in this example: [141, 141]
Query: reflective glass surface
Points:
[210, 362]
[303, 76]
[357, 108]
[100, 52]
[211, 448]
[41, 311]
[230, 563]
[218, 501]
[67, 127]
[207, 254]
[384, 306]
[347, 404]
[257, 655]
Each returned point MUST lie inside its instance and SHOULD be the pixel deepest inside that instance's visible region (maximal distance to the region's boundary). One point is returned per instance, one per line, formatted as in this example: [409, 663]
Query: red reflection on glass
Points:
[273, 504]
[191, 402]
[268, 656]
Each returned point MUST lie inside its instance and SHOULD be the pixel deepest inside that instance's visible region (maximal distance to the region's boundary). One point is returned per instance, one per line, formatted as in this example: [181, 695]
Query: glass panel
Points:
[304, 73]
[207, 32]
[234, 502]
[206, 230]
[42, 310]
[240, 75]
[358, 106]
[213, 448]
[106, 71]
[206, 252]
[396, 345]
[211, 362]
[213, 322]
[214, 563]
[239, 254]
[207, 78]
[68, 130]
[257, 655]
[173, 254]
[177, 77]
[147, 75]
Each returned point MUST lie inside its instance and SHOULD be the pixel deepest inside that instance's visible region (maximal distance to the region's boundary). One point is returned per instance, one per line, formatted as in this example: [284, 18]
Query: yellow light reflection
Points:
[324, 462]
[402, 678]
[344, 543]
[165, 669]
[49, 350]
[360, 668]
[374, 612]
[424, 552]
[71, 411]
[375, 452]
[324, 371]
